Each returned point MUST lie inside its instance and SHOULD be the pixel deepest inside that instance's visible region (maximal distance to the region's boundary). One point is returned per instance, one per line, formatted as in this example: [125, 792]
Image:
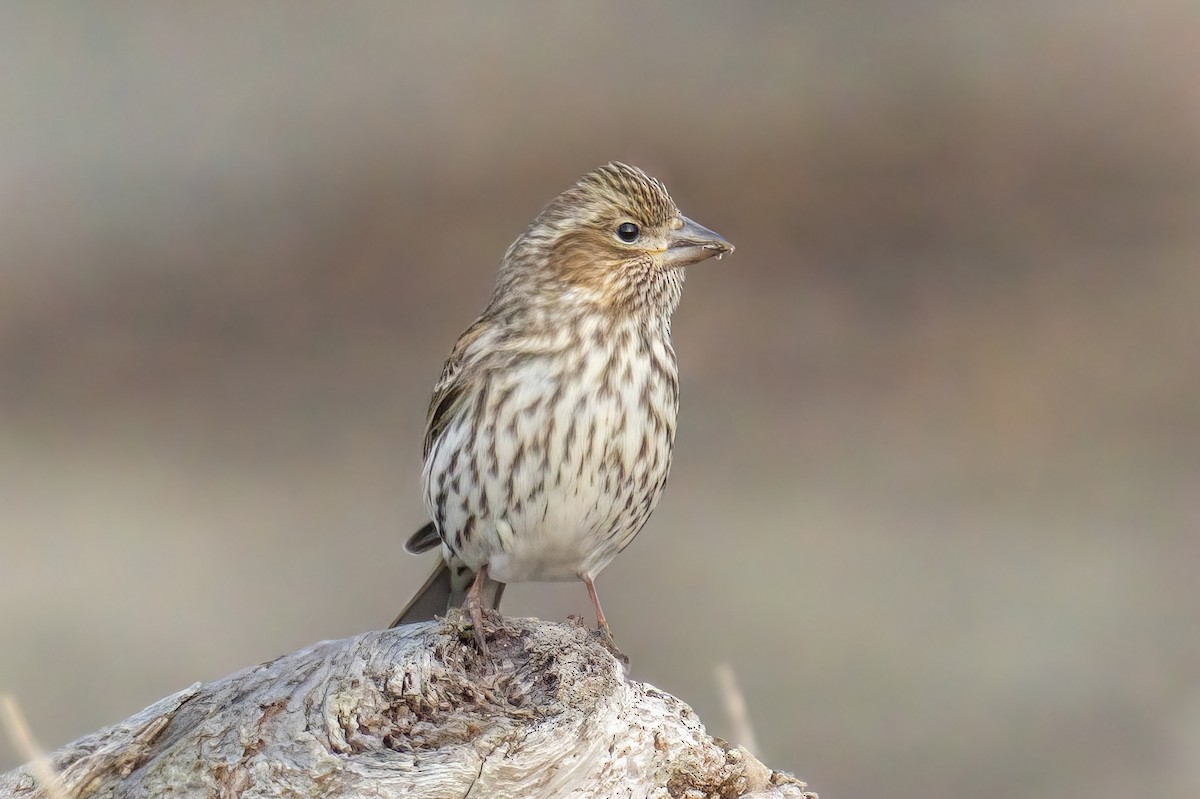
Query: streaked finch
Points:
[549, 435]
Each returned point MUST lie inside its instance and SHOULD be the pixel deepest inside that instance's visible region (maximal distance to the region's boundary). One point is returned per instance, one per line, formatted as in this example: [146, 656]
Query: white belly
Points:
[569, 472]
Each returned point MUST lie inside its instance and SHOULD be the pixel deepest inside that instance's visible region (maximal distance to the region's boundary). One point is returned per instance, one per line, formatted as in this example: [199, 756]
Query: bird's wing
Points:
[451, 388]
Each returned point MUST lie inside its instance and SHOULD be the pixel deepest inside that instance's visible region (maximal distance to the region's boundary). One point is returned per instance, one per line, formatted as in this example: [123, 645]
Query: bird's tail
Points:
[446, 588]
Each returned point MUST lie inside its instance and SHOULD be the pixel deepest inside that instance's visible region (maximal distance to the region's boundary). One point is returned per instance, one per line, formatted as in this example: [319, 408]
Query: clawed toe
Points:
[606, 639]
[475, 610]
[476, 614]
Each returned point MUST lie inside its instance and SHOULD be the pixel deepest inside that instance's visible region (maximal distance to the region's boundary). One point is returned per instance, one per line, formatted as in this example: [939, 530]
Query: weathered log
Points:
[417, 712]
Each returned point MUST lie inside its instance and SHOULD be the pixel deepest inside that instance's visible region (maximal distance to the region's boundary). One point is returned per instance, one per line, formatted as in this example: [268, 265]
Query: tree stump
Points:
[417, 712]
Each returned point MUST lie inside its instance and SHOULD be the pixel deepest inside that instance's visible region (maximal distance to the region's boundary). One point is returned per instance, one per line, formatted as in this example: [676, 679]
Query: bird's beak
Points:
[693, 243]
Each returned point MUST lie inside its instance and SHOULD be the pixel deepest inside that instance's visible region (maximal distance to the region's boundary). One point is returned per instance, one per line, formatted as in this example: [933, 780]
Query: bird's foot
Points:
[474, 606]
[476, 614]
[606, 639]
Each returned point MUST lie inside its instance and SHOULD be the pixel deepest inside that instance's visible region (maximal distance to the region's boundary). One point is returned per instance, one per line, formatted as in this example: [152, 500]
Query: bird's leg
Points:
[602, 623]
[475, 608]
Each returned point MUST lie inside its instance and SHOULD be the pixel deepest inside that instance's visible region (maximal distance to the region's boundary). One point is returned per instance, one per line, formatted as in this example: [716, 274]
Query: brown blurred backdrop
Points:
[937, 483]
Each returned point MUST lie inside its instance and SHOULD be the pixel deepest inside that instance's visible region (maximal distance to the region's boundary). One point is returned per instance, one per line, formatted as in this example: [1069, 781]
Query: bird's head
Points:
[615, 240]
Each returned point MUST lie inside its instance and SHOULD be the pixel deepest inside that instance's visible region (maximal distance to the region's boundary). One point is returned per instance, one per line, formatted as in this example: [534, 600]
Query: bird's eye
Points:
[628, 232]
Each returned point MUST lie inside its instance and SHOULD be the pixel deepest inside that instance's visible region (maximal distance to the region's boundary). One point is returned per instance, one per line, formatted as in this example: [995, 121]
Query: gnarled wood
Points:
[416, 712]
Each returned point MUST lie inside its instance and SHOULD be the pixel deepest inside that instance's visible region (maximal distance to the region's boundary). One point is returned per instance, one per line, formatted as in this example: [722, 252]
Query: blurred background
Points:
[937, 485]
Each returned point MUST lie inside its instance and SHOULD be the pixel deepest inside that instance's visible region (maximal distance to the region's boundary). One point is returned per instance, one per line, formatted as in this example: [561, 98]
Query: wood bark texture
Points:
[417, 712]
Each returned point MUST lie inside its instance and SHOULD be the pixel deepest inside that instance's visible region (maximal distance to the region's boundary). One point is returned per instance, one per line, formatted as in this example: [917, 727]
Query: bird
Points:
[549, 434]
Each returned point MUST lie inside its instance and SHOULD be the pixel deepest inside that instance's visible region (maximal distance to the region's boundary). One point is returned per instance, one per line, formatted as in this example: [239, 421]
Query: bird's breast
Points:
[565, 458]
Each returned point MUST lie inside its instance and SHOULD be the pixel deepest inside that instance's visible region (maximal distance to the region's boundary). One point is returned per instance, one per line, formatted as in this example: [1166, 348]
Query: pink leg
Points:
[600, 620]
[475, 608]
[605, 633]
